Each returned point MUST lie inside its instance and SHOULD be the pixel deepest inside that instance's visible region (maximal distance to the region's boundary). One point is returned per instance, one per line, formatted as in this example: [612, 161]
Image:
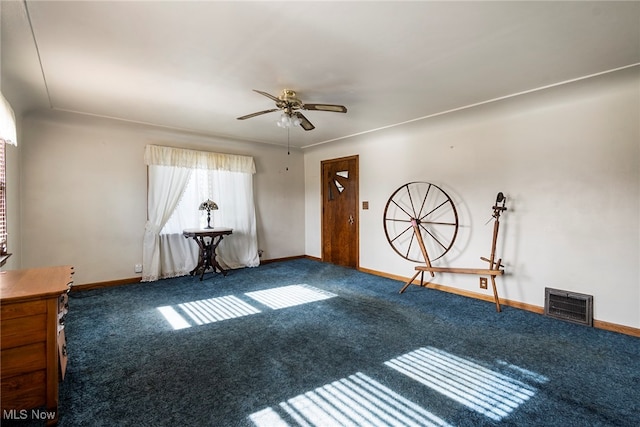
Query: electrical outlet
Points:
[137, 268]
[483, 283]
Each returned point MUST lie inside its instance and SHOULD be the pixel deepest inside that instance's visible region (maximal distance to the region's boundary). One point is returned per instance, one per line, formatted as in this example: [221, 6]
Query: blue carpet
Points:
[307, 343]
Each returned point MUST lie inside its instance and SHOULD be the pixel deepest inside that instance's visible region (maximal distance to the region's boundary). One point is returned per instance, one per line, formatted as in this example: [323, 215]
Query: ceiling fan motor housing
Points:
[289, 100]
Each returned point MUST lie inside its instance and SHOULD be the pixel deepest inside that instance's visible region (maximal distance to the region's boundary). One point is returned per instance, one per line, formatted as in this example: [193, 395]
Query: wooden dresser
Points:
[33, 304]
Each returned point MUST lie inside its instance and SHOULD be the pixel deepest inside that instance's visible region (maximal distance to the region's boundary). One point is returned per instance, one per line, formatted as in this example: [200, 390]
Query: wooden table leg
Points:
[213, 261]
[201, 258]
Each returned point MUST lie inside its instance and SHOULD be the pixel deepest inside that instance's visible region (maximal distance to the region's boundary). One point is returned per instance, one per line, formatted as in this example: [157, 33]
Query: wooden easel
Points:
[495, 267]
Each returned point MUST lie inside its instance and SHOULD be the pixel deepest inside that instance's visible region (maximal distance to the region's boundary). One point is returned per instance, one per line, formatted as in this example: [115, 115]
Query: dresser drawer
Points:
[24, 391]
[22, 309]
[19, 360]
[23, 330]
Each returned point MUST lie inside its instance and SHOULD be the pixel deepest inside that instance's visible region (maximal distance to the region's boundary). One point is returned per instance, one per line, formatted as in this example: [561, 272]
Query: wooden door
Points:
[340, 236]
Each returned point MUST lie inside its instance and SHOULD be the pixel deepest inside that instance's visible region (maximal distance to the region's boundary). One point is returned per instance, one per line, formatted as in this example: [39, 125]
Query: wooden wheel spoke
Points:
[402, 209]
[433, 237]
[411, 201]
[424, 199]
[398, 220]
[437, 223]
[435, 209]
[413, 236]
[400, 235]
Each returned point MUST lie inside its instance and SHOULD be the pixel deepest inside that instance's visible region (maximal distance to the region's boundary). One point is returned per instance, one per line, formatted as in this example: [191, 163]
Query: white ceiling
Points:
[193, 65]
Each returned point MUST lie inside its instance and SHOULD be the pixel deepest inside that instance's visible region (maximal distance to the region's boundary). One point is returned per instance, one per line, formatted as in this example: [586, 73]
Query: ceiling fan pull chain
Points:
[288, 151]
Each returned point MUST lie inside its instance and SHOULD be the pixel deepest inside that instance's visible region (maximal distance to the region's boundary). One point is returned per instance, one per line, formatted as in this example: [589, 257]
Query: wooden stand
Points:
[495, 267]
[207, 240]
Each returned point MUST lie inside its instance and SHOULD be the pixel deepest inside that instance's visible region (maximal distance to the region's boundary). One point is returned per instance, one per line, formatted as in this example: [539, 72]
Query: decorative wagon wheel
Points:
[425, 207]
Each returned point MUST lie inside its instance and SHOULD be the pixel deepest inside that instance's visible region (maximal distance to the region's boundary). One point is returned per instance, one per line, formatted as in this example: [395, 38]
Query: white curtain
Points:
[179, 180]
[166, 185]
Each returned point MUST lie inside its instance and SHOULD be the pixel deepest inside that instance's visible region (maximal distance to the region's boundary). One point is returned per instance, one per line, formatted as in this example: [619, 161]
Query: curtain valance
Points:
[181, 157]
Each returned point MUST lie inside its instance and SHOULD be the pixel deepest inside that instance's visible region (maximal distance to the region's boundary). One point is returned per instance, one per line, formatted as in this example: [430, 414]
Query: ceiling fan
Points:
[289, 103]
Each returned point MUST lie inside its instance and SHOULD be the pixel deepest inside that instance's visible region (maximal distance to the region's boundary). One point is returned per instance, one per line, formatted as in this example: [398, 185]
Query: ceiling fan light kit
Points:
[287, 121]
[289, 103]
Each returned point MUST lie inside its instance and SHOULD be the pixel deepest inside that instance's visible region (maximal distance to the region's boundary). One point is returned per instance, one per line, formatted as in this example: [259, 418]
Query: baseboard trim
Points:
[98, 285]
[289, 258]
[614, 327]
[599, 324]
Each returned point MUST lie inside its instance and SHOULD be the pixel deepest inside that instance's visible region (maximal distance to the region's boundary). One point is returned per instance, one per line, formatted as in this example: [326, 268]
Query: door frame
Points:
[355, 157]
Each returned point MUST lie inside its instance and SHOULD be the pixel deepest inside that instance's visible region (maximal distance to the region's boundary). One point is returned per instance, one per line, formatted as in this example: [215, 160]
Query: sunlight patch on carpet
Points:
[530, 375]
[490, 393]
[211, 310]
[206, 311]
[354, 401]
[174, 318]
[289, 296]
[216, 309]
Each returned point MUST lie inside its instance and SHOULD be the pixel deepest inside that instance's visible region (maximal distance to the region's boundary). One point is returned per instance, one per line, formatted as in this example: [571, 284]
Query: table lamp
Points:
[208, 205]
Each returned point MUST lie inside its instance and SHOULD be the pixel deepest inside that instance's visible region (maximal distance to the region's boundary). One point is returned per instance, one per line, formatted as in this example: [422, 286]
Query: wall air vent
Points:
[569, 306]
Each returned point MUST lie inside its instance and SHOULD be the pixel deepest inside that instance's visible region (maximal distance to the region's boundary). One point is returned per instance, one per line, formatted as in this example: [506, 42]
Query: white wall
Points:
[84, 187]
[567, 158]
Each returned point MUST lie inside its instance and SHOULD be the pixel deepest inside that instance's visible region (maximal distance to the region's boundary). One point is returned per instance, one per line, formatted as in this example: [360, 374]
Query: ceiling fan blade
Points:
[325, 107]
[304, 123]
[268, 95]
[248, 116]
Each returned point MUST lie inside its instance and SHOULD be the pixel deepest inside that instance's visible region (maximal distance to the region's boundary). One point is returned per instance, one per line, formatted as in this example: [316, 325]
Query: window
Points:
[3, 200]
[179, 181]
[228, 189]
[8, 135]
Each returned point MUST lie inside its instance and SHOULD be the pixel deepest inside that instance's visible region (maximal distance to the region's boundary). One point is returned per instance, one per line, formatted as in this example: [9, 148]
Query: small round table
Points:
[208, 240]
